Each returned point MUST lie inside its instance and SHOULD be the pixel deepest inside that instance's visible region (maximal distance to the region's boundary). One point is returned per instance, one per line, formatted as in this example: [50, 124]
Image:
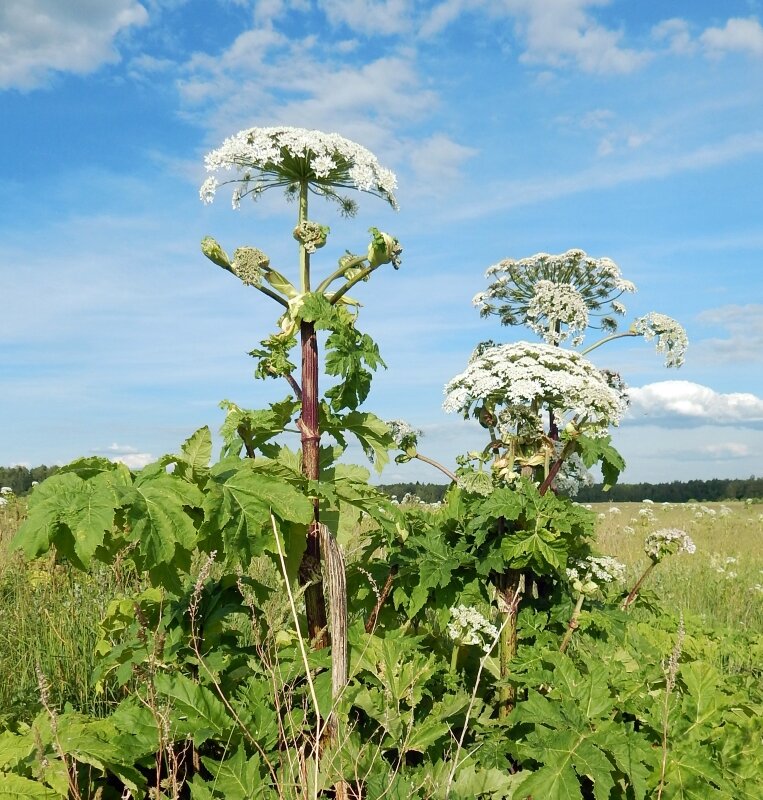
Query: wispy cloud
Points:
[744, 342]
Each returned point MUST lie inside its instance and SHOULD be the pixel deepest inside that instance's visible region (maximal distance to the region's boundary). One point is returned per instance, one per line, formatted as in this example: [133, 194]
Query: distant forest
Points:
[717, 489]
[20, 480]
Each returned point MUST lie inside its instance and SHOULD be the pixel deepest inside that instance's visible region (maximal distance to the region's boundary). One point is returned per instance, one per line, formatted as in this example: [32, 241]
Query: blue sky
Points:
[632, 130]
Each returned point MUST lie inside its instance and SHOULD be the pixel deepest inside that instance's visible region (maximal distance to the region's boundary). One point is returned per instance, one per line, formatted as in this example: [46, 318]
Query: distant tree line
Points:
[717, 489]
[20, 479]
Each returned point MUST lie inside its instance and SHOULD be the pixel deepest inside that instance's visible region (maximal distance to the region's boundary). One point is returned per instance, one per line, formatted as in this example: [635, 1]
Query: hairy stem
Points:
[339, 272]
[572, 625]
[310, 568]
[381, 599]
[364, 273]
[508, 587]
[630, 599]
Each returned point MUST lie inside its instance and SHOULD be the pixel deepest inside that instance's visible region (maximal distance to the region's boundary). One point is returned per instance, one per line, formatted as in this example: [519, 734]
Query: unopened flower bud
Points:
[212, 250]
[384, 249]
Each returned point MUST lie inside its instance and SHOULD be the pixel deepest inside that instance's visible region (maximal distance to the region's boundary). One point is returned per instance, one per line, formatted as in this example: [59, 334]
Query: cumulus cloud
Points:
[559, 33]
[125, 454]
[40, 37]
[741, 35]
[668, 403]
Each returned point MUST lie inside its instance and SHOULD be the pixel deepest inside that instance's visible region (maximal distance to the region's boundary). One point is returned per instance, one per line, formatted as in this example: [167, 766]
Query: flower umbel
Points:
[512, 377]
[264, 158]
[668, 541]
[671, 336]
[468, 626]
[568, 288]
[588, 575]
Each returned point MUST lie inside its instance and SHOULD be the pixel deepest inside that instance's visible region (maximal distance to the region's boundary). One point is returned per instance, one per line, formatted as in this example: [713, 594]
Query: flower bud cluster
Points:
[249, 265]
[312, 235]
[588, 575]
[405, 436]
[668, 541]
[468, 626]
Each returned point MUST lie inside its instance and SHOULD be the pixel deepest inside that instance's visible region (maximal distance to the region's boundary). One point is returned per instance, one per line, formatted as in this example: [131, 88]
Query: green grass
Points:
[49, 617]
[721, 583]
[50, 614]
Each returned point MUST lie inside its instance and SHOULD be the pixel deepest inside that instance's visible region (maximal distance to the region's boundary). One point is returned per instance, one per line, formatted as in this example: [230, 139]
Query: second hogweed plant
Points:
[298, 635]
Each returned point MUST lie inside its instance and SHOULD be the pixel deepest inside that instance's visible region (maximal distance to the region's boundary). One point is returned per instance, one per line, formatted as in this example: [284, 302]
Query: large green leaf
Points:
[551, 782]
[14, 787]
[158, 517]
[372, 433]
[238, 777]
[195, 709]
[71, 513]
[238, 504]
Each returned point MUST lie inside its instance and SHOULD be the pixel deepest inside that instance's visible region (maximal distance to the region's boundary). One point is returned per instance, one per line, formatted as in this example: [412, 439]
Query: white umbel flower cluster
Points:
[468, 626]
[404, 435]
[671, 336]
[523, 374]
[666, 542]
[282, 156]
[597, 282]
[557, 311]
[588, 575]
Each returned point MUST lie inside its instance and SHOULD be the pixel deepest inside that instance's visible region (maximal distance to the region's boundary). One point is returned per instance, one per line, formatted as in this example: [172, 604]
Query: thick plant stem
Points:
[310, 568]
[635, 590]
[437, 465]
[508, 586]
[572, 625]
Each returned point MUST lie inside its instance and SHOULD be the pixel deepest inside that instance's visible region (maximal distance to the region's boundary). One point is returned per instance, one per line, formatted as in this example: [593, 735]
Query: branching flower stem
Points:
[264, 289]
[364, 273]
[572, 625]
[338, 273]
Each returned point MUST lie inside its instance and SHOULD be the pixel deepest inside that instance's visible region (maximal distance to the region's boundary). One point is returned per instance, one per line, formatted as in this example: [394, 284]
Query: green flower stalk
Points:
[660, 545]
[587, 578]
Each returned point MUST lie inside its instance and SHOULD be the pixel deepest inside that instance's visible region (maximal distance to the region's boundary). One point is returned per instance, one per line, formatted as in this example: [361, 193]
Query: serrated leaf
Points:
[197, 449]
[203, 714]
[14, 787]
[551, 782]
[539, 549]
[158, 518]
[236, 778]
[71, 513]
[372, 433]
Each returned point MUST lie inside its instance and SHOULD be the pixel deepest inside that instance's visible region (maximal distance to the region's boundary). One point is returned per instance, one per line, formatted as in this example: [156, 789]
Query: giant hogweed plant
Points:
[479, 651]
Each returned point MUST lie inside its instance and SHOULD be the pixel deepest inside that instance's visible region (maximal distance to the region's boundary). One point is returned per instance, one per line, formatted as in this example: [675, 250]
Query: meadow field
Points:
[51, 614]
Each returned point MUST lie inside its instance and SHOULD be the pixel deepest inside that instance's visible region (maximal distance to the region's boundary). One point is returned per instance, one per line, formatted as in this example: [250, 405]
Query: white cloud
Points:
[39, 37]
[134, 460]
[741, 35]
[558, 33]
[675, 34]
[649, 166]
[372, 17]
[683, 402]
[744, 344]
[726, 450]
[436, 161]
